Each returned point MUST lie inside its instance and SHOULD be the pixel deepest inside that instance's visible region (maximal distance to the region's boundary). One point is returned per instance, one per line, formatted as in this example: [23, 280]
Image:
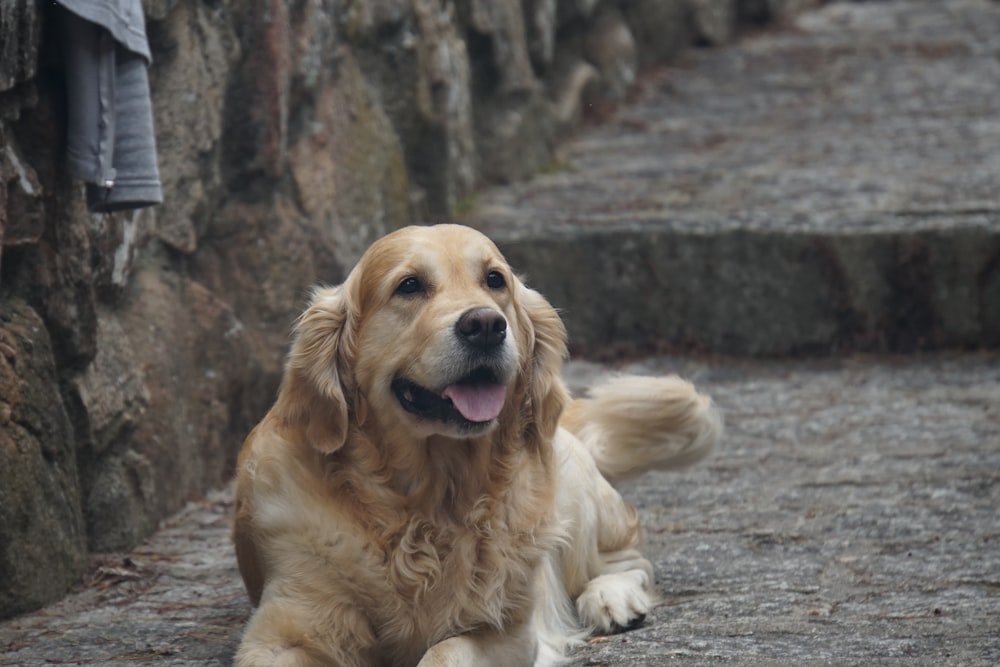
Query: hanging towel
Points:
[110, 140]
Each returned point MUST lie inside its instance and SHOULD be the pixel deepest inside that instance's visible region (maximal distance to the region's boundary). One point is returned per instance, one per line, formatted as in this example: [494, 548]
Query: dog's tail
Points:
[632, 424]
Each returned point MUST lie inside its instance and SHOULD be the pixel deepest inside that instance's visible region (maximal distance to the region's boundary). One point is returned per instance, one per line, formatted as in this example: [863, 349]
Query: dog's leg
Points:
[618, 593]
[517, 646]
[284, 634]
[271, 657]
[603, 569]
[629, 425]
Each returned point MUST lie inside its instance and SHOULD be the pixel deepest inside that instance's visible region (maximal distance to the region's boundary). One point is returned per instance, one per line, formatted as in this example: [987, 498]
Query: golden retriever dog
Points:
[424, 492]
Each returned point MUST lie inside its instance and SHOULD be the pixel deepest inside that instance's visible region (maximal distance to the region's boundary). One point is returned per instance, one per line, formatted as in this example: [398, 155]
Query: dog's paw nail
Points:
[632, 624]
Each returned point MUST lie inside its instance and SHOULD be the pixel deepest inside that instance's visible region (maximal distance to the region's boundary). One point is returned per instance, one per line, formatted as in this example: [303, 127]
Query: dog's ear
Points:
[313, 400]
[547, 393]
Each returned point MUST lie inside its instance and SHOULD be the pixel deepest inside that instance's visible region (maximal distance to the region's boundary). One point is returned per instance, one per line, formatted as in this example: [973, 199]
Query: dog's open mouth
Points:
[475, 400]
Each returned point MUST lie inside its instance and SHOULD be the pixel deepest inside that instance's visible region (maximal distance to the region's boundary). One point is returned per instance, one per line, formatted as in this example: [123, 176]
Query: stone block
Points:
[754, 292]
[662, 28]
[715, 20]
[194, 53]
[42, 548]
[609, 46]
[21, 219]
[441, 146]
[20, 26]
[540, 26]
[161, 405]
[110, 391]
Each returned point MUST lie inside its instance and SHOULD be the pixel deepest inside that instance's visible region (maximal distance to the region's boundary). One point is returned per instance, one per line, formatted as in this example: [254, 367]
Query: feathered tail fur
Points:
[631, 424]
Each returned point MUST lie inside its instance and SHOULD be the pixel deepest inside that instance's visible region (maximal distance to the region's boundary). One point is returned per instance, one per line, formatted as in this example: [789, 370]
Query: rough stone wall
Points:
[136, 349]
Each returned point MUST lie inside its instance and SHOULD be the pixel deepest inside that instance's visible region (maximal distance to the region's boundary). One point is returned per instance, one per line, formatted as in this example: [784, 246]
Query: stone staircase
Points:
[826, 187]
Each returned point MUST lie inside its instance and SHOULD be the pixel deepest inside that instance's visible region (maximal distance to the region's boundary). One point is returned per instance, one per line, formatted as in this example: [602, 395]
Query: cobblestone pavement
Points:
[850, 517]
[859, 116]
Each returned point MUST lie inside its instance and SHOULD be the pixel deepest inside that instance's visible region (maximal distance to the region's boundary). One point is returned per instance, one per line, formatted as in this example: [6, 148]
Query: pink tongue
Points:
[477, 403]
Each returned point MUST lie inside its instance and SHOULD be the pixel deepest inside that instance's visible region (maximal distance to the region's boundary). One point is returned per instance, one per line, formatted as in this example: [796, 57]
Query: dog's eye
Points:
[495, 280]
[410, 285]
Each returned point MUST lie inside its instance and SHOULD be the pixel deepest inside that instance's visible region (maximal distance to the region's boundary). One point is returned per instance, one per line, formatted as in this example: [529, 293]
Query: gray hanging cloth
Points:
[110, 140]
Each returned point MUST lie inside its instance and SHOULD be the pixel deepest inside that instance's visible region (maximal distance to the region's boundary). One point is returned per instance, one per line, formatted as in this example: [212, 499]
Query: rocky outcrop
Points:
[137, 348]
[42, 545]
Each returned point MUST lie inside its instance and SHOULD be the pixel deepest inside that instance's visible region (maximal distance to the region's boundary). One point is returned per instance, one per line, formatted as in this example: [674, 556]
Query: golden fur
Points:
[375, 525]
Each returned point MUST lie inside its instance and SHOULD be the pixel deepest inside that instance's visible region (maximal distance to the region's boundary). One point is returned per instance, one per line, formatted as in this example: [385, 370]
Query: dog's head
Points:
[431, 334]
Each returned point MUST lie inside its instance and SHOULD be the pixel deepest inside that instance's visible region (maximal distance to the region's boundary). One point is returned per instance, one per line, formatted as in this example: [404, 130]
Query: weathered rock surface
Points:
[41, 522]
[830, 186]
[849, 517]
[290, 135]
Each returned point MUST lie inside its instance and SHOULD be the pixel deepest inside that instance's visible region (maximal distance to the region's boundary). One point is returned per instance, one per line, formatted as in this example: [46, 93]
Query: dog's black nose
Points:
[483, 328]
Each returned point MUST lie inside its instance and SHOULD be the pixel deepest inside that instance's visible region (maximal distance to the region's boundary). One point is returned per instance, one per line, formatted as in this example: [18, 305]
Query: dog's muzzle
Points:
[473, 401]
[483, 364]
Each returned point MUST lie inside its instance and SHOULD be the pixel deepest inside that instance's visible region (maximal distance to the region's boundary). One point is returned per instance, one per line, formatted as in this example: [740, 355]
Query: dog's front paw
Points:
[291, 657]
[615, 602]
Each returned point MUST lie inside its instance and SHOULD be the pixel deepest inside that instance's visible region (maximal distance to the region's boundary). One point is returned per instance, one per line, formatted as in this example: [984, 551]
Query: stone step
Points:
[830, 185]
